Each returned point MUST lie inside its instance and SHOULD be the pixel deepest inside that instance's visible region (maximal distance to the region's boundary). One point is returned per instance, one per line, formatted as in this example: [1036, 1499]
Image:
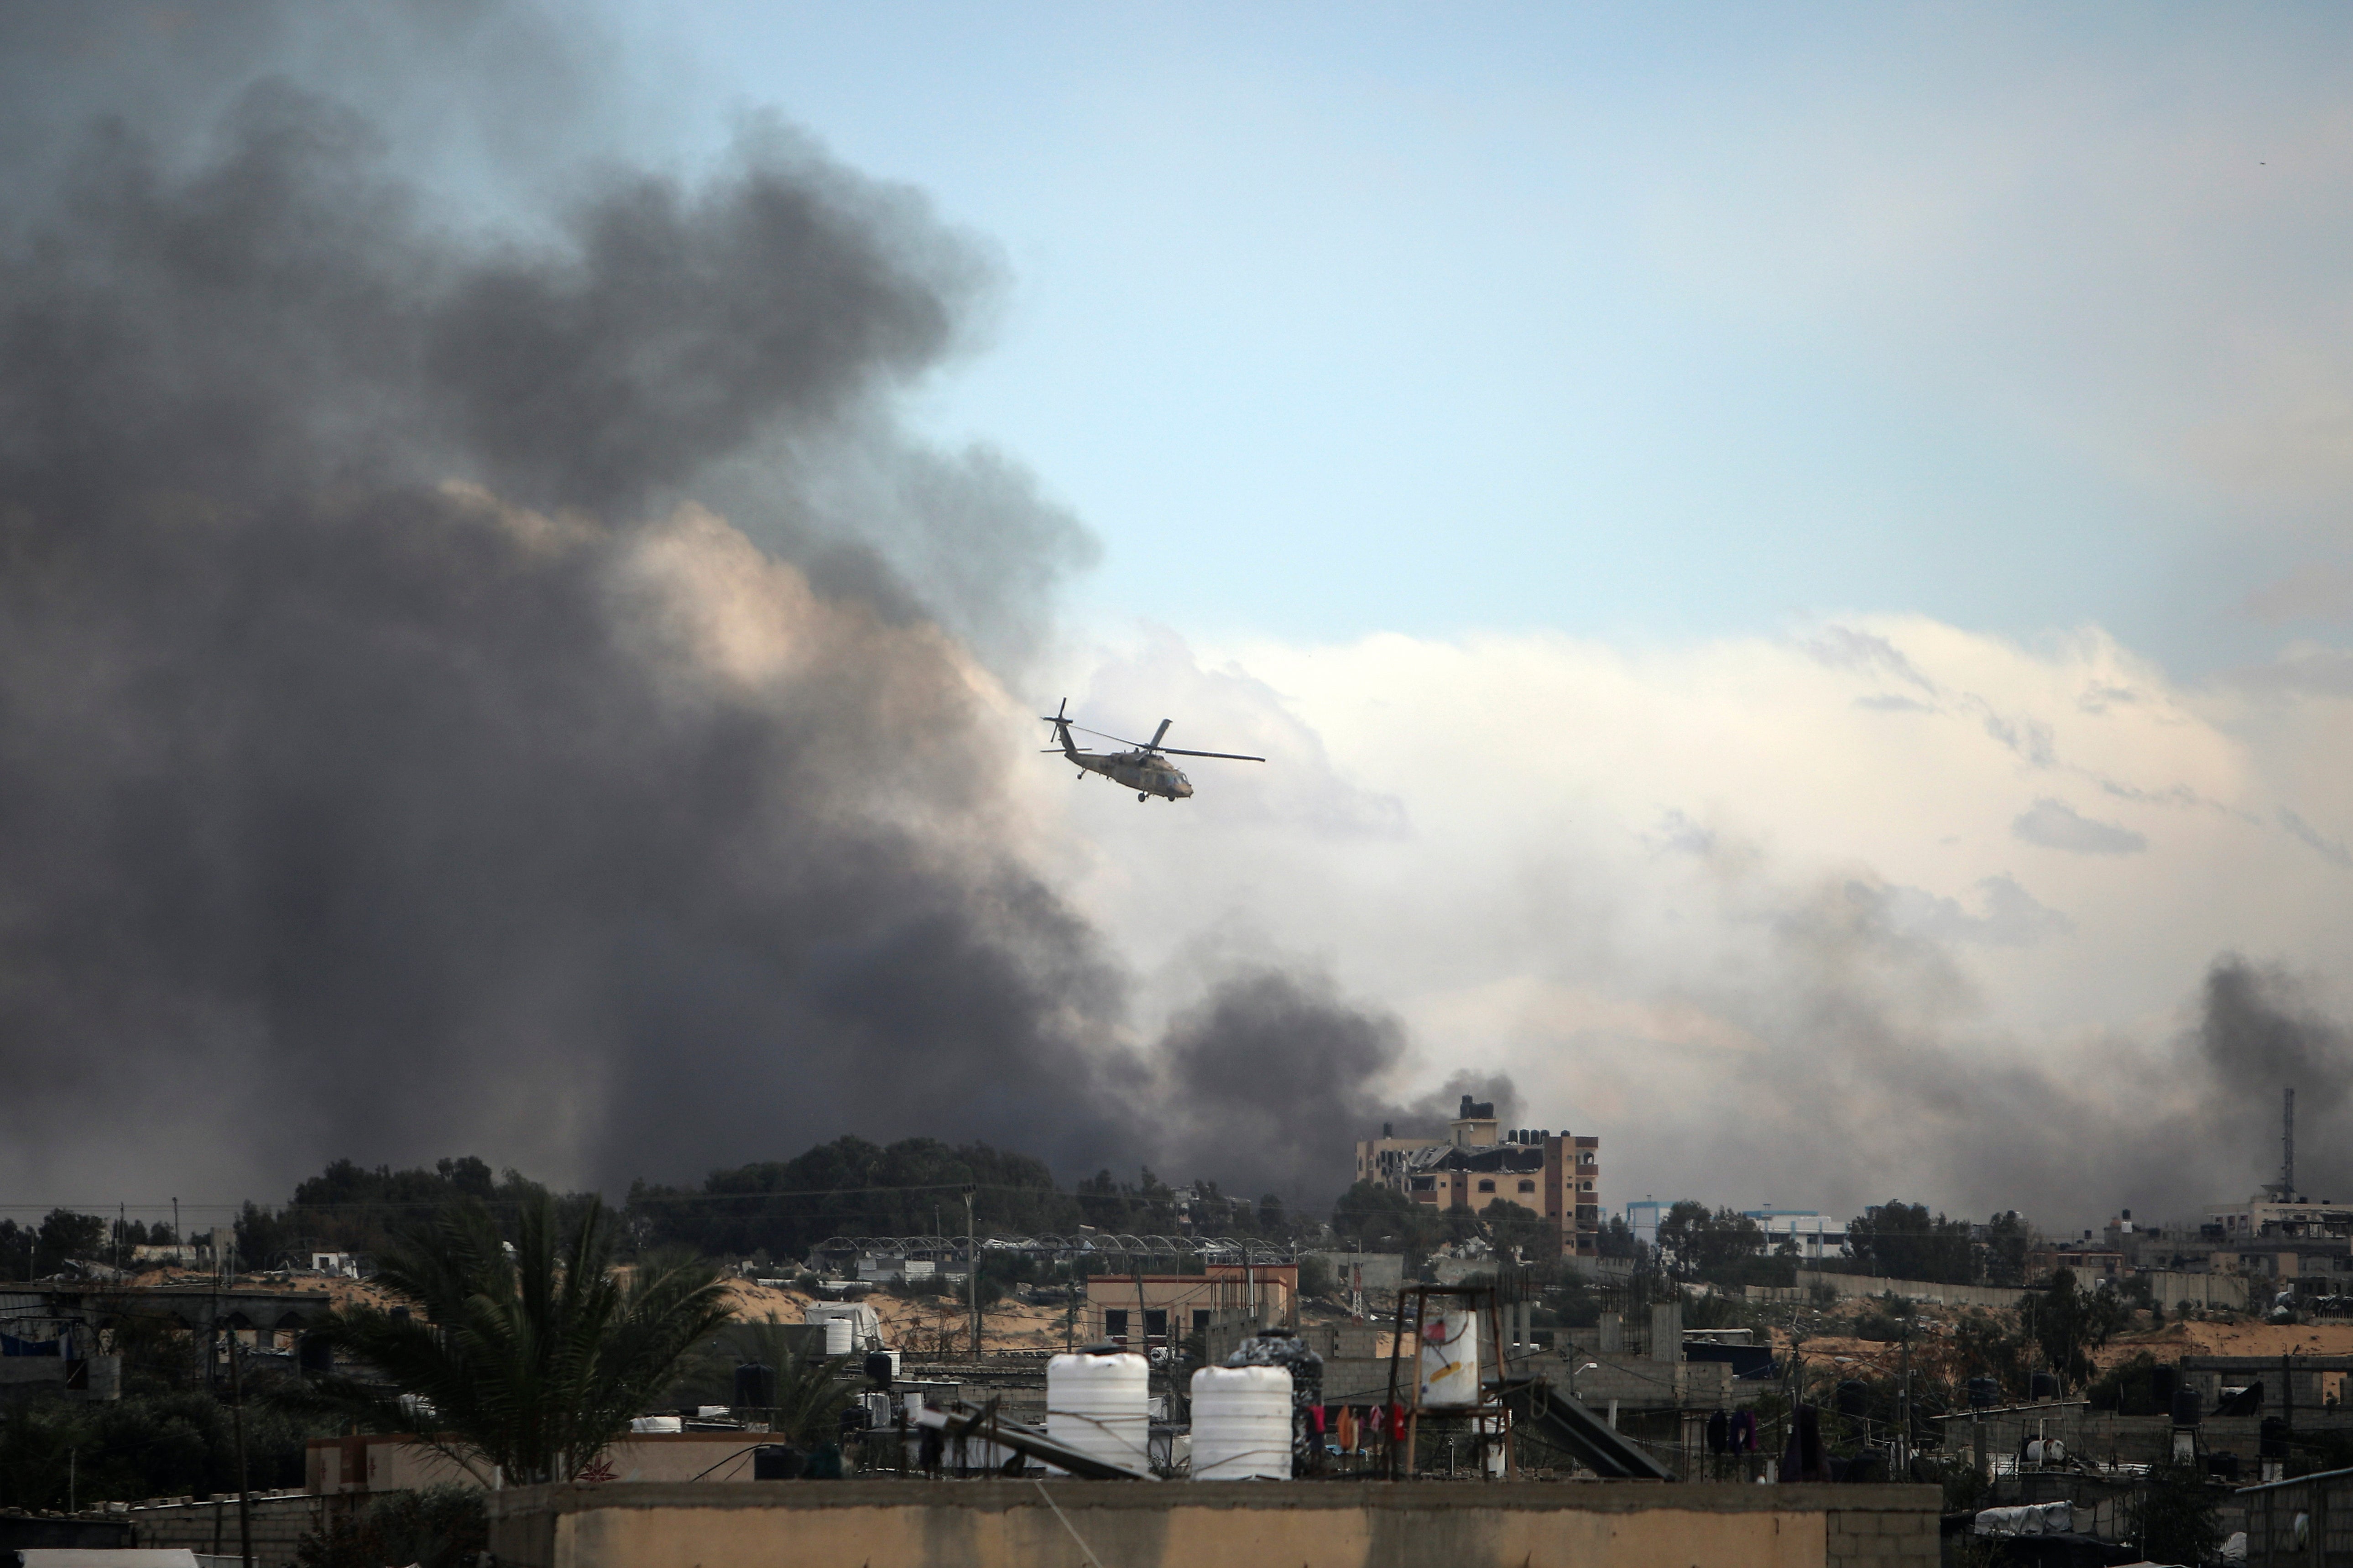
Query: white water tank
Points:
[839, 1336]
[1450, 1360]
[1100, 1405]
[1241, 1423]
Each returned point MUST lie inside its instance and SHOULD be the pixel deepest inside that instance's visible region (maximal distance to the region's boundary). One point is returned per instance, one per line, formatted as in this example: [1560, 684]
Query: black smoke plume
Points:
[400, 752]
[1271, 1074]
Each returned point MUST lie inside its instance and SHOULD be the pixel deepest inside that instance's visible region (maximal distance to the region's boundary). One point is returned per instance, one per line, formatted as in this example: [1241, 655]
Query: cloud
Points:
[2314, 592]
[2301, 668]
[2333, 850]
[2012, 916]
[2056, 825]
[1765, 942]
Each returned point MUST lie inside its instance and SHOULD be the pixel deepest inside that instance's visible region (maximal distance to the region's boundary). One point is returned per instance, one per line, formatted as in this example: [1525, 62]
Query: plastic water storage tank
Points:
[1449, 1361]
[1100, 1405]
[1241, 1423]
[839, 1336]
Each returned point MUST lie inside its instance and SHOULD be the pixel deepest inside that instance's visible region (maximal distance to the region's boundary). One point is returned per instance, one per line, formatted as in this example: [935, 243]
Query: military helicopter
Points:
[1146, 769]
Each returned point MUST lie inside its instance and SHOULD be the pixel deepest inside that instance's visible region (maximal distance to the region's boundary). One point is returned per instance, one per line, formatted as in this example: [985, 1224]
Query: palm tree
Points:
[527, 1359]
[812, 1388]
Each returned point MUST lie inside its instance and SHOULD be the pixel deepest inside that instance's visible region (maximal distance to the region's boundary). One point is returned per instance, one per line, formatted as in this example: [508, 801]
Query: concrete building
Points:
[1478, 1164]
[1642, 1218]
[1817, 1235]
[2262, 1217]
[2086, 1259]
[1142, 1312]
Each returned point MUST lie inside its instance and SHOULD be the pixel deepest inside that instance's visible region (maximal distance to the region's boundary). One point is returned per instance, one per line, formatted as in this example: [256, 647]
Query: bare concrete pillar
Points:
[1667, 1331]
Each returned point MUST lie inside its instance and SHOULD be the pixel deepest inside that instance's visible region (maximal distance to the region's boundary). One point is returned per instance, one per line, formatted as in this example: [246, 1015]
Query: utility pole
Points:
[244, 1490]
[972, 1270]
[1903, 1412]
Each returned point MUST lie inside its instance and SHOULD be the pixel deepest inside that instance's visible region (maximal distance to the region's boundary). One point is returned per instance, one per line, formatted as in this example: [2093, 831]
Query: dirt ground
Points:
[2177, 1340]
[920, 1325]
[1009, 1325]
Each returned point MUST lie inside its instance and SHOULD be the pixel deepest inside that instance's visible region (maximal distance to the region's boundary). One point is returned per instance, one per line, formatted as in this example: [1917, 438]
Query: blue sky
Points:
[1696, 321]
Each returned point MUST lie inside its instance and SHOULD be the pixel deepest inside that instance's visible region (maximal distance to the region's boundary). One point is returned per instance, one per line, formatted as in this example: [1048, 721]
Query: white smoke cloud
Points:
[1761, 911]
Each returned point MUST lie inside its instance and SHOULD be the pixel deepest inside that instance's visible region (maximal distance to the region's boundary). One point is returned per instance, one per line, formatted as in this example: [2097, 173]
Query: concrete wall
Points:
[100, 1375]
[1004, 1524]
[393, 1462]
[2169, 1287]
[2172, 1288]
[279, 1523]
[2270, 1515]
[2126, 1440]
[1383, 1271]
[1851, 1285]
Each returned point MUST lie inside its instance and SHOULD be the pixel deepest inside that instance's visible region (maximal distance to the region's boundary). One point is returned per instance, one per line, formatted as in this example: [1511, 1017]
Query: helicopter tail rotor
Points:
[1061, 720]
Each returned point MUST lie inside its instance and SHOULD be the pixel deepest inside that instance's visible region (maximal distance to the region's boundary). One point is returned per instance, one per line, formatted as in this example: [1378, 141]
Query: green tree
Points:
[1694, 1243]
[349, 1208]
[2177, 1519]
[1510, 1224]
[1379, 1216]
[1617, 1239]
[1903, 1241]
[2006, 1238]
[853, 1187]
[527, 1366]
[65, 1235]
[2066, 1324]
[1983, 1348]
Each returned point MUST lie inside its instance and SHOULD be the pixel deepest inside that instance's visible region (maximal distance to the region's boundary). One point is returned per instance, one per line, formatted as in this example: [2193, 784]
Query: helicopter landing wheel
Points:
[1141, 797]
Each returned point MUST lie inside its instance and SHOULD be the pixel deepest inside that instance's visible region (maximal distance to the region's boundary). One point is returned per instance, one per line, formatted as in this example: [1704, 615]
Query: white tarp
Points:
[2031, 1519]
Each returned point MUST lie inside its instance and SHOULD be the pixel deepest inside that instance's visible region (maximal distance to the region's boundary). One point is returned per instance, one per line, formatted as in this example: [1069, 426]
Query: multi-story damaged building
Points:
[1478, 1164]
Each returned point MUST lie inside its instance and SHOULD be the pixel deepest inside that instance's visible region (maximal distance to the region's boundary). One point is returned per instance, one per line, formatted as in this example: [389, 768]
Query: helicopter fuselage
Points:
[1143, 772]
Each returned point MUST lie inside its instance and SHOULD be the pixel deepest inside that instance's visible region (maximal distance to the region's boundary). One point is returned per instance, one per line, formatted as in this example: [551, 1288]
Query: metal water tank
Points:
[755, 1386]
[1241, 1423]
[1100, 1405]
[840, 1336]
[1450, 1360]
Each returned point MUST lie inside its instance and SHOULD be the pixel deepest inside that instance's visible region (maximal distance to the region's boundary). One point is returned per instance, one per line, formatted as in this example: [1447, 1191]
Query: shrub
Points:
[440, 1527]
